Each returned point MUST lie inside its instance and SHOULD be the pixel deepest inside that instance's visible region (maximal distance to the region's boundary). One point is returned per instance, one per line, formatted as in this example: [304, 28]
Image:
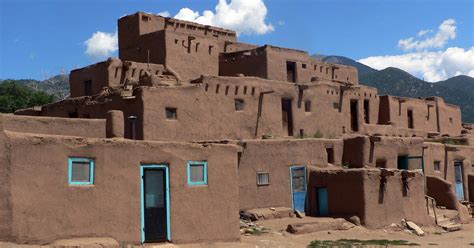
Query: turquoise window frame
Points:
[91, 170]
[190, 163]
[168, 203]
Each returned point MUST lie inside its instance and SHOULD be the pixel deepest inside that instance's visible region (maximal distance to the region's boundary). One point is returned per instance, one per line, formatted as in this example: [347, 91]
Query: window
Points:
[197, 173]
[88, 88]
[330, 155]
[81, 171]
[307, 106]
[437, 165]
[263, 178]
[381, 163]
[171, 113]
[303, 65]
[239, 105]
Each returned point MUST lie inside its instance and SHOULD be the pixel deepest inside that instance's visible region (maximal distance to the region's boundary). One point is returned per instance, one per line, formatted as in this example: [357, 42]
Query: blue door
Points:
[298, 187]
[155, 203]
[458, 178]
[323, 201]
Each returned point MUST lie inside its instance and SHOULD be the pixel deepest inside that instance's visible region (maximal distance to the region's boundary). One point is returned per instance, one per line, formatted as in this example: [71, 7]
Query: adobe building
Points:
[188, 127]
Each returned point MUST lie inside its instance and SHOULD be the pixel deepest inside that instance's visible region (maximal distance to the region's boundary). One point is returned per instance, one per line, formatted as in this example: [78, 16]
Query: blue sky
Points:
[40, 38]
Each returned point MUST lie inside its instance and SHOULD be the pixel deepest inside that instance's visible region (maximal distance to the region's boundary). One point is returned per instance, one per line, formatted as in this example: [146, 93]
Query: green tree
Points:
[14, 96]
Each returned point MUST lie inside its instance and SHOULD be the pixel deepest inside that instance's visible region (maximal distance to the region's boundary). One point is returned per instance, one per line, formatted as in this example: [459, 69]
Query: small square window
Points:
[307, 106]
[437, 165]
[171, 113]
[303, 65]
[239, 105]
[81, 171]
[197, 173]
[263, 178]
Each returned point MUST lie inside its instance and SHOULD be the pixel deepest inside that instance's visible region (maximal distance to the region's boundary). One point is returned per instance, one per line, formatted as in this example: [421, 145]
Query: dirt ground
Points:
[277, 238]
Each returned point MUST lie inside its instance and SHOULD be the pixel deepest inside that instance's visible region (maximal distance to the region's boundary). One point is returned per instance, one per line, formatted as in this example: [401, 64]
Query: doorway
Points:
[287, 117]
[354, 116]
[402, 162]
[155, 203]
[291, 71]
[366, 112]
[410, 119]
[298, 187]
[459, 179]
[323, 205]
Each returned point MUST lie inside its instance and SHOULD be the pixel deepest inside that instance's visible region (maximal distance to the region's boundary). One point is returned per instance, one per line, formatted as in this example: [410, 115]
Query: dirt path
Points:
[280, 239]
[432, 238]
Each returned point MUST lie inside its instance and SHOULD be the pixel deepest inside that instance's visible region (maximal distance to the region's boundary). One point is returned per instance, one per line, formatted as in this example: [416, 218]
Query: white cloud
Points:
[432, 66]
[446, 32]
[422, 33]
[243, 16]
[101, 45]
[164, 14]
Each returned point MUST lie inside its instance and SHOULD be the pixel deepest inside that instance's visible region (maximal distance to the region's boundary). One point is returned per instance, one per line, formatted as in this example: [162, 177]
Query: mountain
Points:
[58, 86]
[458, 90]
[16, 95]
[345, 61]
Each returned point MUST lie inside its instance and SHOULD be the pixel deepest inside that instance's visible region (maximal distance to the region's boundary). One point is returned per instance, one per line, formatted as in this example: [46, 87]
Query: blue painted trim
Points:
[189, 173]
[91, 170]
[291, 183]
[168, 213]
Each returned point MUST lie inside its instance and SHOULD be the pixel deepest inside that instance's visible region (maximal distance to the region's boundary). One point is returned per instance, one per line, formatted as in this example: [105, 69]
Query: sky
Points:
[432, 39]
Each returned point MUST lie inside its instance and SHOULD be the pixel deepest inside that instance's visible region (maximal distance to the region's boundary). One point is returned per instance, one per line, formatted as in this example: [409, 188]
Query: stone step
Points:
[452, 227]
[444, 221]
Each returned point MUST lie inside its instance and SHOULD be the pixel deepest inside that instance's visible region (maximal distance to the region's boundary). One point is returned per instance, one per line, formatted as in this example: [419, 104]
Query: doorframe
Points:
[305, 184]
[142, 197]
[459, 163]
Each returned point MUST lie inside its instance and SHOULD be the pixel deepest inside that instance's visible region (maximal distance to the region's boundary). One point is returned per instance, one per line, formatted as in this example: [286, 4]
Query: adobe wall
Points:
[360, 192]
[96, 107]
[140, 23]
[399, 199]
[249, 63]
[114, 199]
[110, 73]
[470, 179]
[442, 191]
[307, 69]
[276, 157]
[345, 192]
[52, 125]
[447, 155]
[208, 109]
[430, 116]
[192, 56]
[5, 204]
[450, 120]
[188, 48]
[363, 151]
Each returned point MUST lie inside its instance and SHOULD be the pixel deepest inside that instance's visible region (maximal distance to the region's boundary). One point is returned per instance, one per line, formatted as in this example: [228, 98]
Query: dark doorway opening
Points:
[287, 117]
[354, 116]
[88, 88]
[330, 154]
[366, 112]
[291, 71]
[155, 215]
[402, 162]
[410, 119]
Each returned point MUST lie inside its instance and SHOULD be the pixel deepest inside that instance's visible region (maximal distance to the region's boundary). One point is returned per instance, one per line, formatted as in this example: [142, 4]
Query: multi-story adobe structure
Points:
[188, 126]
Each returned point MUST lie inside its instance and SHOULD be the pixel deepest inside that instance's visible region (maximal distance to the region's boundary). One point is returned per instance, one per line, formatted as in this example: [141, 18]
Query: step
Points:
[452, 227]
[444, 221]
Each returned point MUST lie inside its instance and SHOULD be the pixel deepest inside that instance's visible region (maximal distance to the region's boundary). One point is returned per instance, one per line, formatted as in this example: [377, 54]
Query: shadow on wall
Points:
[442, 191]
